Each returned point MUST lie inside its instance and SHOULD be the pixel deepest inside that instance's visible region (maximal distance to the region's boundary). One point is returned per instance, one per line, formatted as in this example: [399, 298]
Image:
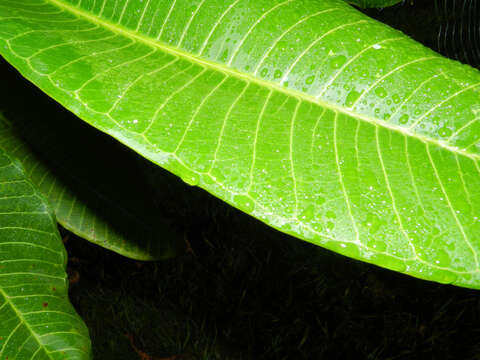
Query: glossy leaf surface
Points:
[36, 318]
[305, 114]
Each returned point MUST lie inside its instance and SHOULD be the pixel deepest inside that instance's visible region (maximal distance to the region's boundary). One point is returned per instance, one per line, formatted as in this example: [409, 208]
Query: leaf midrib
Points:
[119, 29]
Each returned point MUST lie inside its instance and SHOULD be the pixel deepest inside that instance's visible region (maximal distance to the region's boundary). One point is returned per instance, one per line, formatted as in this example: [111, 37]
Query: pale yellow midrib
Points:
[116, 28]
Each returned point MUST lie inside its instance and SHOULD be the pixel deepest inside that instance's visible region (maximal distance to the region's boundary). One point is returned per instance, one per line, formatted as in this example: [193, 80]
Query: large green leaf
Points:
[36, 318]
[97, 191]
[305, 114]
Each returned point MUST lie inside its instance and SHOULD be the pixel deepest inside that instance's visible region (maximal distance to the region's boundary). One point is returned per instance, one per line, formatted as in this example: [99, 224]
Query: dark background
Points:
[245, 291]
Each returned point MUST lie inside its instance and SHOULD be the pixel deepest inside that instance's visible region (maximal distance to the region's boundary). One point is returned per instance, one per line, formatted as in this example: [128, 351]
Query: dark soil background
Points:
[245, 291]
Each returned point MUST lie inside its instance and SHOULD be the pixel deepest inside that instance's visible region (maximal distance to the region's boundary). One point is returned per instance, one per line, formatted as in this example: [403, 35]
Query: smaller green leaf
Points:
[37, 320]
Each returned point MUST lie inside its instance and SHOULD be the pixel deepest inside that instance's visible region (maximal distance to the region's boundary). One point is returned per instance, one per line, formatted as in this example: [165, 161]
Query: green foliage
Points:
[307, 115]
[36, 318]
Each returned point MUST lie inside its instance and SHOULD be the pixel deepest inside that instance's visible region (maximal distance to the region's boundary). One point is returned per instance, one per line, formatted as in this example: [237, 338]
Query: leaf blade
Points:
[37, 318]
[378, 94]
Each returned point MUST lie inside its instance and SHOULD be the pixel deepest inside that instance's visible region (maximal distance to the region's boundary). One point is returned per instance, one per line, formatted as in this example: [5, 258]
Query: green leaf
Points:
[373, 3]
[308, 115]
[97, 191]
[37, 320]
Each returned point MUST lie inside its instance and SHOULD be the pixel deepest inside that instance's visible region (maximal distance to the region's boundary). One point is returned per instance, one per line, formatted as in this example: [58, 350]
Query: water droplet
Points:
[308, 214]
[320, 200]
[244, 202]
[191, 179]
[310, 80]
[264, 72]
[441, 258]
[462, 205]
[403, 119]
[330, 226]
[338, 61]
[352, 97]
[380, 92]
[330, 214]
[445, 131]
[277, 74]
[372, 222]
[379, 244]
[396, 98]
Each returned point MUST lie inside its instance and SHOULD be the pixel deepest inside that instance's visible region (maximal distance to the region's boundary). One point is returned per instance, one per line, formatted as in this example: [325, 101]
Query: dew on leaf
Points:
[338, 61]
[380, 92]
[308, 213]
[310, 80]
[352, 97]
[320, 200]
[444, 131]
[330, 214]
[372, 222]
[379, 244]
[462, 206]
[441, 258]
[244, 202]
[435, 231]
[330, 226]
[191, 179]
